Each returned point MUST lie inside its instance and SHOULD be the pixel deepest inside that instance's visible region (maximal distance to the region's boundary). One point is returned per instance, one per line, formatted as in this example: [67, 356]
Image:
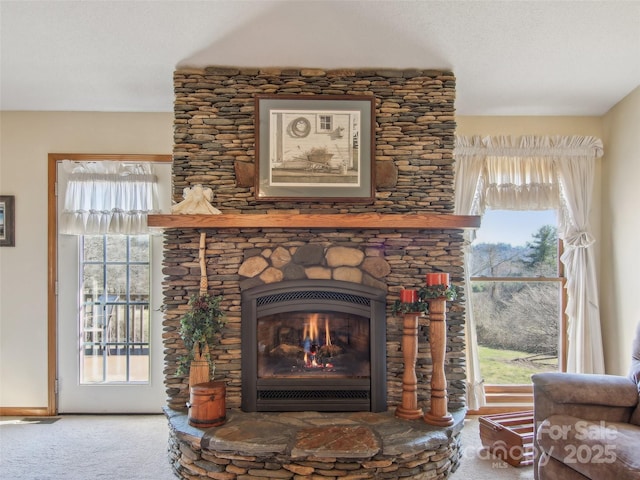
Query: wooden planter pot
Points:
[207, 404]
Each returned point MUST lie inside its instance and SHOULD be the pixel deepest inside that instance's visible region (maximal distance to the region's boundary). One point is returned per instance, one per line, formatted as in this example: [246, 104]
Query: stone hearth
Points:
[314, 445]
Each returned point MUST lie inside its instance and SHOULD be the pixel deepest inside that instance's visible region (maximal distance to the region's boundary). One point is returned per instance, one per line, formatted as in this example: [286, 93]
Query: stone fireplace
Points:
[242, 259]
[362, 255]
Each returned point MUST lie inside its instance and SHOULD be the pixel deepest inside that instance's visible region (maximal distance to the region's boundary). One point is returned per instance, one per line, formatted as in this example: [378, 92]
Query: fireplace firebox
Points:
[313, 345]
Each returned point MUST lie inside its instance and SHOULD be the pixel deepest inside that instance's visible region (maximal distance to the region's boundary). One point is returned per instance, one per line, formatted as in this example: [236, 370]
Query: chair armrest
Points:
[609, 398]
[587, 389]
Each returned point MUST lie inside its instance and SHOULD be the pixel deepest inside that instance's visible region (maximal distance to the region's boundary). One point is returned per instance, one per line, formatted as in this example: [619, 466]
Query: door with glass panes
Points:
[110, 356]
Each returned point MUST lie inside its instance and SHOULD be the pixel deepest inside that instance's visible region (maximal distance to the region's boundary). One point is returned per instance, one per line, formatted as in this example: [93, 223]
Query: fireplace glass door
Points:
[313, 345]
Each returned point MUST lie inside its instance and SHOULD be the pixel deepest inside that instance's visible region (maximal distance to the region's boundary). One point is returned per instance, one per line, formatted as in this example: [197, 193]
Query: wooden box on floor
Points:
[509, 436]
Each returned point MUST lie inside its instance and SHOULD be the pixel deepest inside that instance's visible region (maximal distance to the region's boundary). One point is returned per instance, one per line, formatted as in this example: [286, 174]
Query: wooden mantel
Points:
[316, 220]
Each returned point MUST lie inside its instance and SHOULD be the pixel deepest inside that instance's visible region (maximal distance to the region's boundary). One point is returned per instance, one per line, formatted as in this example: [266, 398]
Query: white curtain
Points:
[468, 185]
[585, 344]
[106, 197]
[537, 173]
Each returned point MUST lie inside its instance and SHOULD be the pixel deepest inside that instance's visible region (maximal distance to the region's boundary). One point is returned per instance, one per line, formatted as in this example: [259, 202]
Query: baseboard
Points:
[24, 412]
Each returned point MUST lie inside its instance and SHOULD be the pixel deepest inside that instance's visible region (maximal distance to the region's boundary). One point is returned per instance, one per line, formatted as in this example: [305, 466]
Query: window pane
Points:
[516, 244]
[139, 248]
[139, 283]
[517, 328]
[116, 248]
[117, 279]
[325, 122]
[139, 324]
[116, 370]
[92, 280]
[117, 324]
[93, 248]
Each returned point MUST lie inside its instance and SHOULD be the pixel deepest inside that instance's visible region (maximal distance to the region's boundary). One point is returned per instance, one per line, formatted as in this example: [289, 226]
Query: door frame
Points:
[52, 256]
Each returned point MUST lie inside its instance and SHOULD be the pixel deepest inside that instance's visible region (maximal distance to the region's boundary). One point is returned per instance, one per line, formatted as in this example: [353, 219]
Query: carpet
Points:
[83, 447]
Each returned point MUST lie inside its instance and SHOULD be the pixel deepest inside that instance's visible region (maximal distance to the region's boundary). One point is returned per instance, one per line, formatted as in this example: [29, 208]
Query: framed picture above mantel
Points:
[315, 148]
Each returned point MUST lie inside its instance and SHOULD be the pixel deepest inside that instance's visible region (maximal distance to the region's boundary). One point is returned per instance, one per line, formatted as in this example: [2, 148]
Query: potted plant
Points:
[199, 329]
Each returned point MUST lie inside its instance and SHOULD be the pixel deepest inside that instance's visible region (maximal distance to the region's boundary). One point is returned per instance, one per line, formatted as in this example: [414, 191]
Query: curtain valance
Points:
[108, 197]
[529, 146]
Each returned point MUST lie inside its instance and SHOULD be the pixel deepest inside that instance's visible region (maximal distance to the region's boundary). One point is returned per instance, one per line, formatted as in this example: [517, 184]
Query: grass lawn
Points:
[503, 366]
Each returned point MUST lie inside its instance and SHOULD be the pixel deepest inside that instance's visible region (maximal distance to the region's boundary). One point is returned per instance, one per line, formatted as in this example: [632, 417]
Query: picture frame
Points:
[315, 148]
[7, 221]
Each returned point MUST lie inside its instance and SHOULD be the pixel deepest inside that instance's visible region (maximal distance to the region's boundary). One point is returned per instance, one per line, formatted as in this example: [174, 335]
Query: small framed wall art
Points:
[315, 148]
[7, 221]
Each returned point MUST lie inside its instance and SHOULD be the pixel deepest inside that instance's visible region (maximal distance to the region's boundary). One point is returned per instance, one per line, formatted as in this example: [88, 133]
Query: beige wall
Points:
[468, 125]
[620, 310]
[26, 139]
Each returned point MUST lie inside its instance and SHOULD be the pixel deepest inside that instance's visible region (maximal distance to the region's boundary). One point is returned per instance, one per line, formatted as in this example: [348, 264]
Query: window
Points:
[517, 295]
[114, 314]
[325, 123]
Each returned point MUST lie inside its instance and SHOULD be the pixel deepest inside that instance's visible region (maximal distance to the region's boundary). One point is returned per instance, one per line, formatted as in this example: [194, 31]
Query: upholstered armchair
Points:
[588, 426]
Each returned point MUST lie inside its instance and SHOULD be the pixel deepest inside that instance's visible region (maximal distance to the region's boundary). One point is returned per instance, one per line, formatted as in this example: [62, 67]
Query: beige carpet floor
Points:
[85, 447]
[133, 447]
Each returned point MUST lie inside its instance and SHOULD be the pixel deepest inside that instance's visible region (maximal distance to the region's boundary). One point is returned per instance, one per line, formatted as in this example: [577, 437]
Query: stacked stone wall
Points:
[215, 146]
[414, 133]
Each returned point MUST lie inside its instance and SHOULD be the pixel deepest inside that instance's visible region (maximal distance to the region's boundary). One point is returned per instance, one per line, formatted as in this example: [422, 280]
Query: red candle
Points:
[408, 296]
[433, 279]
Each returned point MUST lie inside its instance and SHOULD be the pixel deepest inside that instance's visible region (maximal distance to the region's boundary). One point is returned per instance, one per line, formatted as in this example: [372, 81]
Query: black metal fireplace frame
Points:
[314, 394]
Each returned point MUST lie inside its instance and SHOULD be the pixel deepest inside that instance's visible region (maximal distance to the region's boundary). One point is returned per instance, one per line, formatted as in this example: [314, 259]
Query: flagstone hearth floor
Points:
[301, 444]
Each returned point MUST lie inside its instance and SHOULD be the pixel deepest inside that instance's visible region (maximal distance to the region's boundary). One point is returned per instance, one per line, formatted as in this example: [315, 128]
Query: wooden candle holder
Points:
[438, 414]
[408, 409]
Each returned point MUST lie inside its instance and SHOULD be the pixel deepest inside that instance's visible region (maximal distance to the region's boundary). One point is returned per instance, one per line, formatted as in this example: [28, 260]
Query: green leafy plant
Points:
[199, 329]
[424, 295]
[450, 292]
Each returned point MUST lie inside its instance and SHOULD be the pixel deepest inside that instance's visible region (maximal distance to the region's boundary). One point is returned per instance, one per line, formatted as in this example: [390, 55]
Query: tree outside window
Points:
[516, 295]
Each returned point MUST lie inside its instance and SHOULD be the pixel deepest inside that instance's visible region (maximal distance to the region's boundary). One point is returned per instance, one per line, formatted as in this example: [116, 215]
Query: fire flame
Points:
[311, 338]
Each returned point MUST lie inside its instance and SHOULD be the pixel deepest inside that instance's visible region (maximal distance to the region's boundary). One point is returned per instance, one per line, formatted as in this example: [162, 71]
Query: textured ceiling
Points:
[510, 57]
